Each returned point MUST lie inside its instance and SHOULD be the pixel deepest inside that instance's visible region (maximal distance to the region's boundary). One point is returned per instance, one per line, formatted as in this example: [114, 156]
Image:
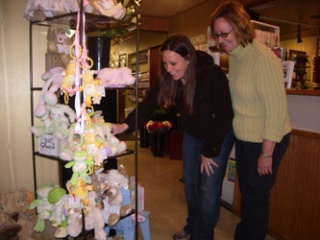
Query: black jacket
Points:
[212, 107]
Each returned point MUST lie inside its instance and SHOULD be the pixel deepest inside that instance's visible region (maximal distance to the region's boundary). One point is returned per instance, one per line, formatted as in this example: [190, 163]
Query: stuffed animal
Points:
[94, 147]
[112, 197]
[44, 208]
[53, 79]
[58, 41]
[59, 199]
[111, 142]
[102, 130]
[69, 80]
[109, 8]
[115, 77]
[13, 201]
[81, 167]
[91, 211]
[90, 88]
[94, 218]
[38, 10]
[58, 122]
[14, 216]
[9, 229]
[27, 223]
[74, 223]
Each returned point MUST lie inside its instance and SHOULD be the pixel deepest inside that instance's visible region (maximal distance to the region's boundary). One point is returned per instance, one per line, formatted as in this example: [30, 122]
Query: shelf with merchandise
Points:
[84, 24]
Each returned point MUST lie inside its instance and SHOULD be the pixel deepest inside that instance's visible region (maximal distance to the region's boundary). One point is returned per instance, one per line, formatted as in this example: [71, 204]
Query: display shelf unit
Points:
[93, 23]
[267, 33]
[99, 22]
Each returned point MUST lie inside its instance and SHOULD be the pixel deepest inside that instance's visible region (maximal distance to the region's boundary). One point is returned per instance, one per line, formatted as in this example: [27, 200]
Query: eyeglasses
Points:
[222, 35]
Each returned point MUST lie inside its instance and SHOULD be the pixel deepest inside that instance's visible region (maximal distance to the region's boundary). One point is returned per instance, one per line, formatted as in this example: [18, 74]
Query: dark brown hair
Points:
[170, 89]
[235, 14]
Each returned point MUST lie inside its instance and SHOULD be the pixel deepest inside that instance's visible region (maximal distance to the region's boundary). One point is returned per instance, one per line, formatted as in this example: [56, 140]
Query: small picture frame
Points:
[123, 60]
[293, 54]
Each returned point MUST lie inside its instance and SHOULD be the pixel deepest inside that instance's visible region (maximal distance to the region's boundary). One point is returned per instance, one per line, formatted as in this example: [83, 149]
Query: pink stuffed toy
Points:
[115, 77]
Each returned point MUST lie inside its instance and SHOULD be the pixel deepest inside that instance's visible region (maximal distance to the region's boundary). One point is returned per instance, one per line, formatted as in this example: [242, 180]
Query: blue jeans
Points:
[255, 189]
[203, 192]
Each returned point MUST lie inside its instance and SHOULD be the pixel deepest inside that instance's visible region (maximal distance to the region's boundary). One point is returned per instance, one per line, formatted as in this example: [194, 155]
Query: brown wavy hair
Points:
[235, 14]
[170, 89]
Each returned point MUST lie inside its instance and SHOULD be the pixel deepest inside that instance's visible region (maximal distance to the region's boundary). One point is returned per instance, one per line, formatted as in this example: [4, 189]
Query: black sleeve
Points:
[145, 109]
[221, 115]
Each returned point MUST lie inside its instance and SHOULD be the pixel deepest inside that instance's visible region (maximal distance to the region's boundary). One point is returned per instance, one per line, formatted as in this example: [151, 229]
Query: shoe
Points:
[182, 235]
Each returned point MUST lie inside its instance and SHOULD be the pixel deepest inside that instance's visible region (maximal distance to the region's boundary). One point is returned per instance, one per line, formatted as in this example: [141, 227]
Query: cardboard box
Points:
[50, 146]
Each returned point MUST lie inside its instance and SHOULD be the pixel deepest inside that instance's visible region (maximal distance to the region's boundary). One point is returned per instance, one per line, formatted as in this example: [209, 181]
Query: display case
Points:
[83, 23]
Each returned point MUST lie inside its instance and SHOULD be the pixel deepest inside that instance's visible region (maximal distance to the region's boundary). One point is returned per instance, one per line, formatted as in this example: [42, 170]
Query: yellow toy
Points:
[94, 147]
[68, 81]
[89, 88]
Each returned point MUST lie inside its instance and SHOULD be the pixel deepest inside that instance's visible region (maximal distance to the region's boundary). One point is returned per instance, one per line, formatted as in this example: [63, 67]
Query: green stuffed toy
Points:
[59, 198]
[81, 167]
[44, 208]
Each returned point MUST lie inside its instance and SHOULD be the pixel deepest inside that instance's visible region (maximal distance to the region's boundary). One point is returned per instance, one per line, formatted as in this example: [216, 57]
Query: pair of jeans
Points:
[203, 192]
[255, 189]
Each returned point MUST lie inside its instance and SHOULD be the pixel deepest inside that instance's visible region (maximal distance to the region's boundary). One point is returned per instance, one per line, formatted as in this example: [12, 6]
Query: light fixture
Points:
[299, 39]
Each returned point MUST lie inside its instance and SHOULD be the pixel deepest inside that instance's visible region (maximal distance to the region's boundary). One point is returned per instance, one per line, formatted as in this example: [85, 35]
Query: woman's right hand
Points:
[118, 128]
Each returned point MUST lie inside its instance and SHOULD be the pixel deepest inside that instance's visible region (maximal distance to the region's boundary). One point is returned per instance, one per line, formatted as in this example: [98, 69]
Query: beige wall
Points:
[16, 168]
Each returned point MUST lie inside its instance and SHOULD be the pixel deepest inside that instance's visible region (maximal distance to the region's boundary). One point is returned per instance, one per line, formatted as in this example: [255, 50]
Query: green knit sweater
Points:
[258, 94]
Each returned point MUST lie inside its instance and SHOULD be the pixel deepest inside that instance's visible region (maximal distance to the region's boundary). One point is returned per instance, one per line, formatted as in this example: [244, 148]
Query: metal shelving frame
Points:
[93, 23]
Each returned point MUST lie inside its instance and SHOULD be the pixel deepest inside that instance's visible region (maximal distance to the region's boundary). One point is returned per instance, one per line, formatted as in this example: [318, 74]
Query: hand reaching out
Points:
[119, 128]
[206, 165]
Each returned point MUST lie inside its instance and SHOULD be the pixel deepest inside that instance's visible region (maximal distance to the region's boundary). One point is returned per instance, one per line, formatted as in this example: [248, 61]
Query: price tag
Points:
[74, 202]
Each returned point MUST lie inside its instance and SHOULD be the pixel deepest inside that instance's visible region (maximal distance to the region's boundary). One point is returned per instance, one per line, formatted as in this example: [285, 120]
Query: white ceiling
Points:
[283, 13]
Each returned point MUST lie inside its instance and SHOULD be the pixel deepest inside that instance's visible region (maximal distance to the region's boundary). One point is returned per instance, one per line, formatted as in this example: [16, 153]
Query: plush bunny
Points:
[44, 208]
[59, 199]
[53, 79]
[57, 123]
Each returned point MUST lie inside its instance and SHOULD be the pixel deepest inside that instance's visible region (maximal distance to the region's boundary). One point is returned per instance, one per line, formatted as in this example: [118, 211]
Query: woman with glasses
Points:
[199, 90]
[261, 123]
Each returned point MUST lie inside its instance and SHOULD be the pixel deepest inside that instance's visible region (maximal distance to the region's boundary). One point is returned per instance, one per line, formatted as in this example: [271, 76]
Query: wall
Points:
[16, 157]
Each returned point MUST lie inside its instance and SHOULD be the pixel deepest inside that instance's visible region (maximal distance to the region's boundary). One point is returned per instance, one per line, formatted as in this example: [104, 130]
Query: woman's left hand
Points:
[206, 165]
[264, 165]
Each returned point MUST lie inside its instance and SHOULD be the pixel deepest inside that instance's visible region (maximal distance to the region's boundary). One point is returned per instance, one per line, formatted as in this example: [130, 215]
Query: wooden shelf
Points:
[304, 92]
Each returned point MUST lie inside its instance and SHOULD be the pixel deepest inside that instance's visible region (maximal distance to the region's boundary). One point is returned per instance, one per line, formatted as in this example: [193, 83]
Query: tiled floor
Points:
[164, 198]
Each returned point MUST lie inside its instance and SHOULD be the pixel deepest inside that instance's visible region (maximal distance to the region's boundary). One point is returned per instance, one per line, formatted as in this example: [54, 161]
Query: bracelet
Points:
[265, 155]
